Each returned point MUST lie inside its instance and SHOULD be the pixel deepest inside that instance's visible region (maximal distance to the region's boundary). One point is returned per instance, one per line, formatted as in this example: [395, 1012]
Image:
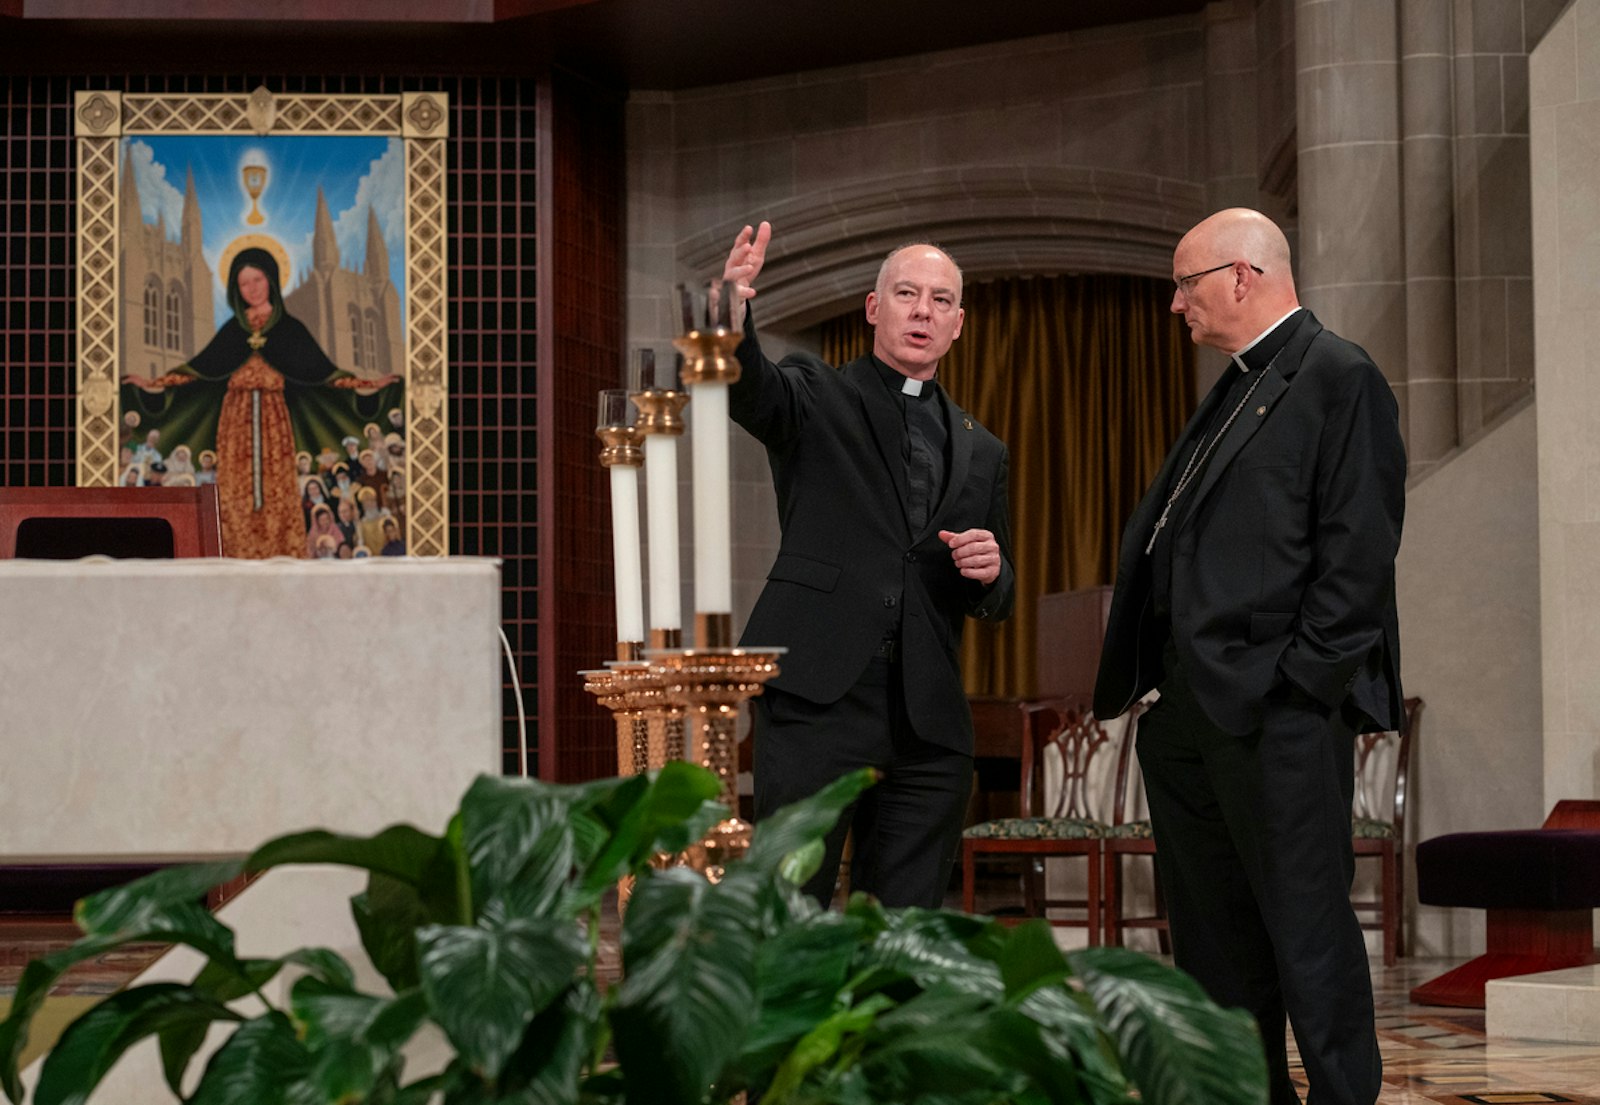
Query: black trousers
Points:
[1253, 846]
[908, 826]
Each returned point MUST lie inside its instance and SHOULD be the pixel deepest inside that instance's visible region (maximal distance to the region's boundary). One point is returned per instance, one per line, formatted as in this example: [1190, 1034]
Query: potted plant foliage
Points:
[490, 931]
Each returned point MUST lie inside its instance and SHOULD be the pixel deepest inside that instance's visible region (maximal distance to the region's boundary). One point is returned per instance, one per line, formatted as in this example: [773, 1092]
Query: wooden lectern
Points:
[68, 523]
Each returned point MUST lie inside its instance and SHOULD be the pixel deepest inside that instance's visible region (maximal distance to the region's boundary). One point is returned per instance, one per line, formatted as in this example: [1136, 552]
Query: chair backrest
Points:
[1126, 805]
[1383, 764]
[1062, 740]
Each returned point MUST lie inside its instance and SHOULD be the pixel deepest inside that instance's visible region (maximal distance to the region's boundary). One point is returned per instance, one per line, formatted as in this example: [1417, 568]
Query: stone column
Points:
[1493, 263]
[1352, 252]
[1566, 266]
[1427, 178]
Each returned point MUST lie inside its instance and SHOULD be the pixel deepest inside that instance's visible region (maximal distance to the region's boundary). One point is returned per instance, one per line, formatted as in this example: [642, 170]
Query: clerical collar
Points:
[1265, 345]
[901, 384]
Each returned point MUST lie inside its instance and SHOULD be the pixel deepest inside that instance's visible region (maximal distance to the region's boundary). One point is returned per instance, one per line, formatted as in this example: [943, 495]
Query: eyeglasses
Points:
[1186, 283]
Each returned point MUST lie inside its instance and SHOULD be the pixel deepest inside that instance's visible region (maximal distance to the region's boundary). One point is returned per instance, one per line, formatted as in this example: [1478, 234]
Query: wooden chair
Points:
[1061, 743]
[1383, 762]
[1130, 835]
[1382, 766]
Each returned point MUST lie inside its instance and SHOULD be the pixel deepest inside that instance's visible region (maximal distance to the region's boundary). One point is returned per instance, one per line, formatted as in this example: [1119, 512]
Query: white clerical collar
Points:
[1238, 356]
[911, 387]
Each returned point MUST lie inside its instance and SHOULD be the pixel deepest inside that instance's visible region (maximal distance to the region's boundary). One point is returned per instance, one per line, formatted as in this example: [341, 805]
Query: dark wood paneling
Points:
[581, 309]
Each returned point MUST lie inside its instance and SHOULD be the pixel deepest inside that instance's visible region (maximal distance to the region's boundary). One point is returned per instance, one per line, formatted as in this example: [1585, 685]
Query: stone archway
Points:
[996, 221]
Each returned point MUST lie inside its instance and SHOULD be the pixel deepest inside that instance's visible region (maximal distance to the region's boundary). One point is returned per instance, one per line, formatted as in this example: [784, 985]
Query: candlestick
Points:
[709, 367]
[622, 456]
[661, 423]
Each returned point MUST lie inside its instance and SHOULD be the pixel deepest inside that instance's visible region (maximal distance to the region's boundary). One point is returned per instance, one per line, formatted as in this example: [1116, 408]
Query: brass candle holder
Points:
[661, 417]
[710, 685]
[708, 359]
[616, 688]
[620, 448]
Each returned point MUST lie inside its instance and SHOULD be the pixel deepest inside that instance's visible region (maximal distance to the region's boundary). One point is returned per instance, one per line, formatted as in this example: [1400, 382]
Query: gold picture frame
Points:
[420, 119]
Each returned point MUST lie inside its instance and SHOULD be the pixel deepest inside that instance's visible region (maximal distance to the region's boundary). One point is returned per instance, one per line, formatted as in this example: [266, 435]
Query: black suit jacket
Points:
[1283, 551]
[849, 569]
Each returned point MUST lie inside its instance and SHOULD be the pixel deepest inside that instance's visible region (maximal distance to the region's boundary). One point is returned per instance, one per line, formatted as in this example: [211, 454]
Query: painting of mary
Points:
[260, 391]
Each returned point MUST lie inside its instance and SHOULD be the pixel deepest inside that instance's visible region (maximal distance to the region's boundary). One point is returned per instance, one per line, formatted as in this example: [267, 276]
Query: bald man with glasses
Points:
[1255, 591]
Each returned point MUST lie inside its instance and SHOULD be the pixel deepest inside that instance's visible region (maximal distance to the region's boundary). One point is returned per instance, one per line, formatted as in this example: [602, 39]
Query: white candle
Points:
[661, 512]
[625, 551]
[713, 541]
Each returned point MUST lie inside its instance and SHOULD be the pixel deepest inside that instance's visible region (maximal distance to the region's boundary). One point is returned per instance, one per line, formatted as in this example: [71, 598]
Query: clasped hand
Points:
[976, 554]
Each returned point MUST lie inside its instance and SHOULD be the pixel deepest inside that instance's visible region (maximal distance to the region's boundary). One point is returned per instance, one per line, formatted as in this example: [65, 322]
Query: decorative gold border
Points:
[420, 118]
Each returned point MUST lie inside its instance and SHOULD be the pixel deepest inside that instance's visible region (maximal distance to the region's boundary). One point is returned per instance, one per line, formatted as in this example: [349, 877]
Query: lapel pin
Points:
[967, 422]
[1260, 411]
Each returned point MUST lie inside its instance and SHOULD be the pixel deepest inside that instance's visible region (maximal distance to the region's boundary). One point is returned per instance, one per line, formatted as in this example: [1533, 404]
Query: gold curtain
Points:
[1088, 380]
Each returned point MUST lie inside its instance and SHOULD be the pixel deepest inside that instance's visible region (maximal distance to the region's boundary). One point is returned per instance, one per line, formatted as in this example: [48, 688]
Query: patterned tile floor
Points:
[1430, 1054]
[1435, 1054]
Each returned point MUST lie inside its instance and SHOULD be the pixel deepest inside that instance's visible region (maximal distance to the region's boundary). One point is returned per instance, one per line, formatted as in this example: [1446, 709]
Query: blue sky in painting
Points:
[354, 172]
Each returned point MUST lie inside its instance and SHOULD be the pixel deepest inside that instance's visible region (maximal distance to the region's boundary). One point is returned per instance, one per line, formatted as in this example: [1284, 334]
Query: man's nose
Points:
[1178, 303]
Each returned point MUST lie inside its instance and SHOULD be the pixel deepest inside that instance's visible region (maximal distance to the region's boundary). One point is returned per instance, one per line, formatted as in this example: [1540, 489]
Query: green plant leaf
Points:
[800, 971]
[1176, 1045]
[688, 992]
[938, 1040]
[387, 915]
[664, 811]
[513, 827]
[1072, 1025]
[261, 1064]
[549, 1063]
[180, 923]
[92, 1044]
[400, 851]
[223, 981]
[537, 888]
[32, 988]
[820, 1044]
[140, 903]
[1029, 958]
[484, 986]
[931, 948]
[799, 825]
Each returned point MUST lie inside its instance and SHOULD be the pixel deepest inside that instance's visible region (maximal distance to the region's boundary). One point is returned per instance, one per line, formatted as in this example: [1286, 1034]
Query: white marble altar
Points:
[194, 707]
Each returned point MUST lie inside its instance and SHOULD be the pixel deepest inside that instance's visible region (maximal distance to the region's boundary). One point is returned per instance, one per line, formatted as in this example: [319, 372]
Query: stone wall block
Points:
[1555, 81]
[1363, 30]
[1514, 89]
[1504, 196]
[1430, 422]
[1349, 205]
[1496, 26]
[1429, 229]
[1484, 331]
[1425, 27]
[1431, 331]
[1156, 130]
[1350, 103]
[1426, 106]
[1230, 131]
[1030, 135]
[1578, 204]
[1587, 52]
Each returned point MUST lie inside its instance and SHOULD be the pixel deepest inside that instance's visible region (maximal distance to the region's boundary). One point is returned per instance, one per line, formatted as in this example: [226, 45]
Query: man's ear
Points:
[872, 308]
[961, 317]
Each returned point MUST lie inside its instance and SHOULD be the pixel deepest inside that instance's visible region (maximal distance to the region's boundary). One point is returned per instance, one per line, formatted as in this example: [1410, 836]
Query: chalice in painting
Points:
[255, 182]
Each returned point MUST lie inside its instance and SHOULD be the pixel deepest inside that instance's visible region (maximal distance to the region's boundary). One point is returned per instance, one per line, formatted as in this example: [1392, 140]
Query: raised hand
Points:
[745, 259]
[975, 552]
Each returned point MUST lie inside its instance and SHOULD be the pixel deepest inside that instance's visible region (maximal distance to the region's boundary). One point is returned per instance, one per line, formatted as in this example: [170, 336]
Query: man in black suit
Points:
[892, 503]
[1256, 591]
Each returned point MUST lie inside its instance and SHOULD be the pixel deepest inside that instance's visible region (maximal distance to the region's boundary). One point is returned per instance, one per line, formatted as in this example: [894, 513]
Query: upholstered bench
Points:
[1539, 886]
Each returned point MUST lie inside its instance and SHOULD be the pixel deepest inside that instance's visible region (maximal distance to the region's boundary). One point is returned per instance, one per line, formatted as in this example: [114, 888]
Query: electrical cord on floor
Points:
[522, 718]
